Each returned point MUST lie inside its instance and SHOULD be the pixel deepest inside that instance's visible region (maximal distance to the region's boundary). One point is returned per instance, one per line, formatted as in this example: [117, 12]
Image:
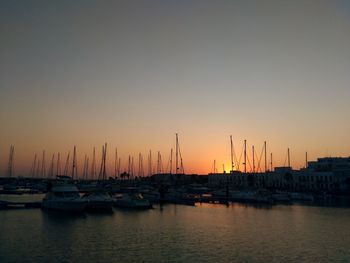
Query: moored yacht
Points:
[99, 200]
[134, 201]
[63, 196]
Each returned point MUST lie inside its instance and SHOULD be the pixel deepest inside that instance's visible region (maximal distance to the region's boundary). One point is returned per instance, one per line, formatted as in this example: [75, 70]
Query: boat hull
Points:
[133, 204]
[63, 205]
[95, 205]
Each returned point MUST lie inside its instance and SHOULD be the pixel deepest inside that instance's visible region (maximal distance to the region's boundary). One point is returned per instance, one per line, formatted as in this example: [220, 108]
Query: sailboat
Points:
[99, 199]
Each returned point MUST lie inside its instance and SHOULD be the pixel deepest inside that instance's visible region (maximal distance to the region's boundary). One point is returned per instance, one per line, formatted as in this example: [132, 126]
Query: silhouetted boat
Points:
[99, 200]
[134, 201]
[64, 196]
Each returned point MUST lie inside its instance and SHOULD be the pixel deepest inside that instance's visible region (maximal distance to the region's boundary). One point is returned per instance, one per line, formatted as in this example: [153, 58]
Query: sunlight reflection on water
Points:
[205, 233]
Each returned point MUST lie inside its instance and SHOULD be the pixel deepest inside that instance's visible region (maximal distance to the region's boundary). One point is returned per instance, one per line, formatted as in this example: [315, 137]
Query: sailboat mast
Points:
[84, 168]
[11, 163]
[58, 168]
[119, 161]
[265, 156]
[93, 165]
[150, 163]
[132, 167]
[115, 162]
[177, 154]
[245, 156]
[158, 163]
[253, 159]
[34, 166]
[271, 162]
[104, 162]
[288, 158]
[139, 169]
[171, 160]
[100, 175]
[306, 161]
[50, 175]
[74, 164]
[87, 168]
[231, 154]
[43, 172]
[66, 165]
[141, 172]
[37, 171]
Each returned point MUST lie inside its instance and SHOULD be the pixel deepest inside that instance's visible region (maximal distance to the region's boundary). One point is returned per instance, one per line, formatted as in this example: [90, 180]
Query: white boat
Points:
[99, 200]
[64, 196]
[134, 201]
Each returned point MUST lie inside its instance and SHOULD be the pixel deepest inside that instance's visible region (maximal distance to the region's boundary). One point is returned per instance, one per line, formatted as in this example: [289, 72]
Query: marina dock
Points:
[19, 205]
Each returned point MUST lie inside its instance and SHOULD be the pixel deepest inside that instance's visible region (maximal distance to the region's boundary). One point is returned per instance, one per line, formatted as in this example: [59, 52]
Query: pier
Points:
[19, 205]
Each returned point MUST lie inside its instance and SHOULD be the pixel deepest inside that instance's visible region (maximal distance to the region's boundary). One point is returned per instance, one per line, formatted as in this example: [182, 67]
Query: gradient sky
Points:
[133, 73]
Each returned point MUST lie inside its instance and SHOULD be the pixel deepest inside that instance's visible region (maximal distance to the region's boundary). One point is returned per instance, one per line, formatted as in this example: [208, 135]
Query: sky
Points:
[134, 73]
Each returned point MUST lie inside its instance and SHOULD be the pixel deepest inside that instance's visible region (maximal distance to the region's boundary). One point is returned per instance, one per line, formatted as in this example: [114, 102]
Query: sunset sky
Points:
[134, 73]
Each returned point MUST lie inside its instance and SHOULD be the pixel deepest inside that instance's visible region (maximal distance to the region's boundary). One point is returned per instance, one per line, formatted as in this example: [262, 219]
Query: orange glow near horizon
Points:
[196, 160]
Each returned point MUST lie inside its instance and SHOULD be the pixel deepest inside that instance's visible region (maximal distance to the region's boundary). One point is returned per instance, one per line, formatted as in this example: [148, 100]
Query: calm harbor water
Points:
[173, 233]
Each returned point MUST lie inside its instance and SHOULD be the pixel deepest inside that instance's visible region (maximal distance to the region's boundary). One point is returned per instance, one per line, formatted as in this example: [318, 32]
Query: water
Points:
[205, 233]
